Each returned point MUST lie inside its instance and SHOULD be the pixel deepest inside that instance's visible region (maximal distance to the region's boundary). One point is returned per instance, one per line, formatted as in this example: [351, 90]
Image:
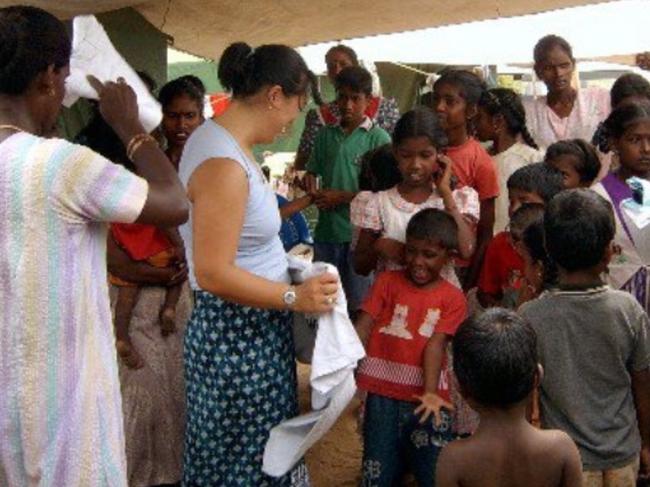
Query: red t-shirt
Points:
[502, 269]
[405, 317]
[474, 167]
[140, 241]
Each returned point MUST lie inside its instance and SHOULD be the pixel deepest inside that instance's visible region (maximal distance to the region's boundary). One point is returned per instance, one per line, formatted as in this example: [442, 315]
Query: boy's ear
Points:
[539, 376]
[609, 254]
[471, 111]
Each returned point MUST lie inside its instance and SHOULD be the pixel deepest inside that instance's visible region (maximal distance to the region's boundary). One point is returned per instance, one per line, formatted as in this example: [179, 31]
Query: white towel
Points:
[93, 53]
[336, 353]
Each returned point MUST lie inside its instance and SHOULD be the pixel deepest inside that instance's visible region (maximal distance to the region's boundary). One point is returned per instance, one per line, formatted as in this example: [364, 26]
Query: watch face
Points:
[290, 296]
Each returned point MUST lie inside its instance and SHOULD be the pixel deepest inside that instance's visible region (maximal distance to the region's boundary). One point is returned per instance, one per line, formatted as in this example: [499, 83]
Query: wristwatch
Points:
[289, 296]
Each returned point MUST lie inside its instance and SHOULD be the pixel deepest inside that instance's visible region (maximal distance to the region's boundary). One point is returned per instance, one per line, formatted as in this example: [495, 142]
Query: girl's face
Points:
[633, 149]
[336, 61]
[566, 165]
[485, 125]
[417, 161]
[450, 106]
[533, 269]
[556, 70]
[180, 117]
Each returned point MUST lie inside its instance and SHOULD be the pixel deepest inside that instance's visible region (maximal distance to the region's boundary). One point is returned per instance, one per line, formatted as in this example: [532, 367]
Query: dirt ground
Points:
[335, 461]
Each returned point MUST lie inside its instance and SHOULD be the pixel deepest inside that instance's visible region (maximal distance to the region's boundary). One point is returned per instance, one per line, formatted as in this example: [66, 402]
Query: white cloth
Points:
[336, 353]
[93, 53]
[507, 162]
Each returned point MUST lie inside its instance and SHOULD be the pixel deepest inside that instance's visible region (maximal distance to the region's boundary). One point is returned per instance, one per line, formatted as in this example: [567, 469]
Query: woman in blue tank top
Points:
[239, 357]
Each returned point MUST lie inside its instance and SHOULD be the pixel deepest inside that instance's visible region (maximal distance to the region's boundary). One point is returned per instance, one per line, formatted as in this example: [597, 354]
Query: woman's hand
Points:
[317, 295]
[443, 182]
[118, 105]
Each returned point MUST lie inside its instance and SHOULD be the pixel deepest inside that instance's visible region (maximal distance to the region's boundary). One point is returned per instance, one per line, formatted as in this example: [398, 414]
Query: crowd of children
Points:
[548, 317]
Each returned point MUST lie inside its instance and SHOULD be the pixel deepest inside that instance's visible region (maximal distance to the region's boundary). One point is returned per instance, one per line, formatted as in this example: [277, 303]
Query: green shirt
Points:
[336, 159]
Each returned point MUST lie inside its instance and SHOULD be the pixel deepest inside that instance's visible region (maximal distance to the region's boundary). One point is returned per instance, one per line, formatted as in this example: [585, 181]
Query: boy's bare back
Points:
[498, 456]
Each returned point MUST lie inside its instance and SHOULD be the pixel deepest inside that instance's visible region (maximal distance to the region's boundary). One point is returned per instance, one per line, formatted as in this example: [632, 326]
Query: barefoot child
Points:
[159, 248]
[495, 361]
[406, 323]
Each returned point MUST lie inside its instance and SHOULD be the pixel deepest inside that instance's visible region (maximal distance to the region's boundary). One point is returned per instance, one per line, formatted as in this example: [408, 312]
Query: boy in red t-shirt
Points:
[500, 280]
[406, 323]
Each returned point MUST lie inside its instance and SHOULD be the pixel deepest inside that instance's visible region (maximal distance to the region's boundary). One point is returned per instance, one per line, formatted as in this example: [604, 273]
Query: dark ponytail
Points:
[505, 102]
[31, 39]
[244, 70]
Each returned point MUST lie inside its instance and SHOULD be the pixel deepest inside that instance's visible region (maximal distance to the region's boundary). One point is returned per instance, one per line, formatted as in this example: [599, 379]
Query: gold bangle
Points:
[136, 142]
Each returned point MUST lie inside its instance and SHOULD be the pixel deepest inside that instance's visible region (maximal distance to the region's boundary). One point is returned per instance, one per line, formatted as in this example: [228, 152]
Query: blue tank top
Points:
[260, 250]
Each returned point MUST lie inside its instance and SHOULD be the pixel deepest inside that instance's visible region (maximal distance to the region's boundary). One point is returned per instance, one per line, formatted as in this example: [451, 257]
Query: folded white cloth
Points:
[93, 53]
[336, 352]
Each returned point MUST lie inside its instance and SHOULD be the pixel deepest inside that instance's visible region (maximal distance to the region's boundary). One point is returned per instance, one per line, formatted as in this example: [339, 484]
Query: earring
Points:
[51, 92]
[270, 107]
[283, 131]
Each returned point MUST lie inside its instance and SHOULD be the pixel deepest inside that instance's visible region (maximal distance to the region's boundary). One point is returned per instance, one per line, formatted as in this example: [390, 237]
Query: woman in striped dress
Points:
[60, 405]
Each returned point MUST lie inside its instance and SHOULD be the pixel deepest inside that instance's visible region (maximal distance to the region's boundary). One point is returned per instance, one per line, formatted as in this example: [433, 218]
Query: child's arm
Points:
[484, 233]
[364, 326]
[572, 467]
[465, 234]
[447, 468]
[174, 237]
[327, 199]
[431, 402]
[293, 207]
[370, 247]
[641, 390]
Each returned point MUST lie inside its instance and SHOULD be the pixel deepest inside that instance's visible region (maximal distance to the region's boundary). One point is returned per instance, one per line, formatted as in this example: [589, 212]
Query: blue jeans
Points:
[394, 442]
[355, 285]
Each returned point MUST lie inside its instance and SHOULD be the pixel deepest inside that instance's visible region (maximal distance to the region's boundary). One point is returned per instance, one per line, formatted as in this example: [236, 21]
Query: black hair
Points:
[537, 178]
[629, 85]
[356, 78]
[379, 170]
[31, 40]
[588, 163]
[471, 87]
[196, 81]
[434, 224]
[578, 227]
[546, 43]
[495, 358]
[524, 216]
[533, 240]
[148, 80]
[245, 71]
[101, 138]
[182, 87]
[505, 102]
[622, 118]
[420, 122]
[347, 50]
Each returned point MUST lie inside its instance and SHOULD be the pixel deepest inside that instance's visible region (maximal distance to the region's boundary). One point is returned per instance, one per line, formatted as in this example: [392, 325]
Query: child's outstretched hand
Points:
[431, 403]
[443, 183]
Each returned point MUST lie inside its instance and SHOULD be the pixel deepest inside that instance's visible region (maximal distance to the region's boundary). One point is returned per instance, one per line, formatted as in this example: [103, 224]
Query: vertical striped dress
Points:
[60, 405]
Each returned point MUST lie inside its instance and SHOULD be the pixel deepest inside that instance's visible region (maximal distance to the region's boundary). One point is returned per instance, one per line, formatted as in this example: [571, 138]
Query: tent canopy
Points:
[207, 27]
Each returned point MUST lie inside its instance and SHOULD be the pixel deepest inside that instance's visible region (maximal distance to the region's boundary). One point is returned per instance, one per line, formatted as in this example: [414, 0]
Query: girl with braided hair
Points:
[502, 120]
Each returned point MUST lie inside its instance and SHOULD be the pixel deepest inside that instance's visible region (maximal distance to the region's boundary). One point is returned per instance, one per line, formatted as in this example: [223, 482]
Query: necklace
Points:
[11, 127]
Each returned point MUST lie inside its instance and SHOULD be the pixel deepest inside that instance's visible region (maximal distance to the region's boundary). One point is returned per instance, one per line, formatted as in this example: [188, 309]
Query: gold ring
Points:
[330, 300]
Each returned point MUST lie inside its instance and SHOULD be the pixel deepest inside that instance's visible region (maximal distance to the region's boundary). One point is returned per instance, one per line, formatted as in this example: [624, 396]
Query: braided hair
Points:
[505, 102]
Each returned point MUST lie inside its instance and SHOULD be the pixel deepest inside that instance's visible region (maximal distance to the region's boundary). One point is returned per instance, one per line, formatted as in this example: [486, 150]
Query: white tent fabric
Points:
[595, 31]
[206, 27]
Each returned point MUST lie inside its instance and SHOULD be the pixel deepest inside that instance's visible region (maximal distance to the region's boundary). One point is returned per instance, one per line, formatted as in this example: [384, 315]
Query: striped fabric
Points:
[60, 405]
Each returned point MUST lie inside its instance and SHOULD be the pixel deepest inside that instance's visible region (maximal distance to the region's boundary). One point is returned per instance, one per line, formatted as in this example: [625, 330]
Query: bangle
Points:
[136, 142]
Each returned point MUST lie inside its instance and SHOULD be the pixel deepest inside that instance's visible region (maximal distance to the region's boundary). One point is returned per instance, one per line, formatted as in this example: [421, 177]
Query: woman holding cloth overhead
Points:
[239, 358]
[60, 405]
